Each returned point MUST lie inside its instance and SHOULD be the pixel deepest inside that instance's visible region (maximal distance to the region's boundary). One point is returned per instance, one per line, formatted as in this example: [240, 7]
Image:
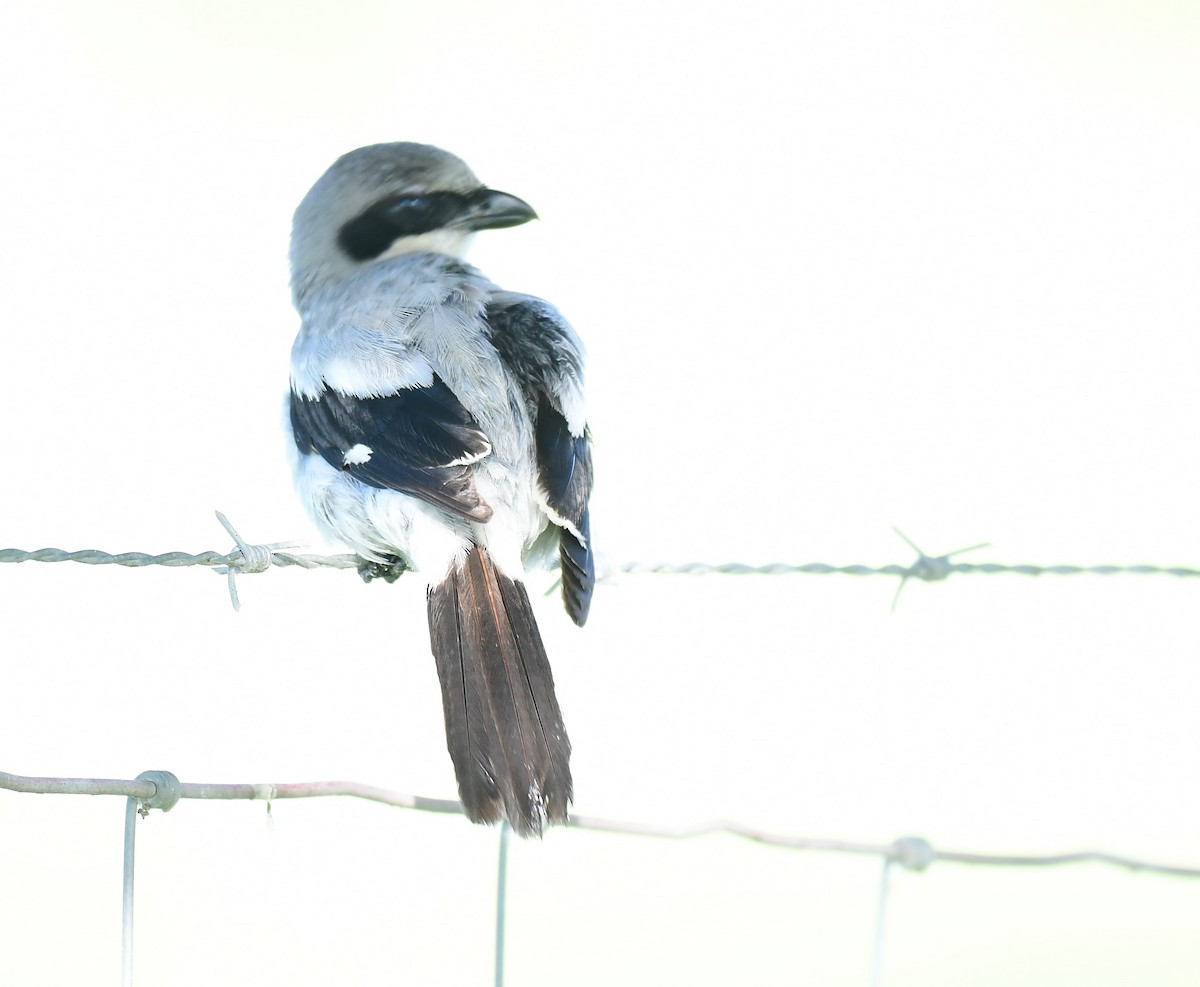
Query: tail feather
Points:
[547, 719]
[504, 729]
[470, 732]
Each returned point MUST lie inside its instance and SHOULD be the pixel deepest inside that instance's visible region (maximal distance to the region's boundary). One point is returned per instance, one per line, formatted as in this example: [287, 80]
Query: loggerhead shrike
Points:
[438, 425]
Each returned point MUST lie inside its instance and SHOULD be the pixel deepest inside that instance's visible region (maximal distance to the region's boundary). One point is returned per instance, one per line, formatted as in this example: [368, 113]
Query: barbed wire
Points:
[247, 558]
[911, 571]
[162, 790]
[92, 556]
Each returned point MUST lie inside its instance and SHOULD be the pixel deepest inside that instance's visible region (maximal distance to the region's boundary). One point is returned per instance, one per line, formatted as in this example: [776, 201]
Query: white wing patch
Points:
[366, 373]
[358, 454]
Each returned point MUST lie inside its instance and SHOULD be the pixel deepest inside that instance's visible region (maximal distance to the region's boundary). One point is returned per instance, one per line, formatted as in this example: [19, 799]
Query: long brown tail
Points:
[503, 726]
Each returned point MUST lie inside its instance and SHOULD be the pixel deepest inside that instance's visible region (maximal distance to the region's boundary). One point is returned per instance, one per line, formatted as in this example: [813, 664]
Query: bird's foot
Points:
[388, 571]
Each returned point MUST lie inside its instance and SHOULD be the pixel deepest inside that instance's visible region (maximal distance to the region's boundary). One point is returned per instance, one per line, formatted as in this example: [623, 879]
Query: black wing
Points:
[420, 441]
[540, 350]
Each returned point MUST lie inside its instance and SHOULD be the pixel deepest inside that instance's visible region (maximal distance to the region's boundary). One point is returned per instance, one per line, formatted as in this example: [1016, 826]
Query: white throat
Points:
[452, 243]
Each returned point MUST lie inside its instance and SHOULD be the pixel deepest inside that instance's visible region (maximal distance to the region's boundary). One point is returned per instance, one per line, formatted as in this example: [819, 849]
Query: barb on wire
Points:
[252, 558]
[159, 789]
[930, 569]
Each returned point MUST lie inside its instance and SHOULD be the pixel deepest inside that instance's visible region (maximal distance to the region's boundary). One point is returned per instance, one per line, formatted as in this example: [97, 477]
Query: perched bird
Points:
[438, 425]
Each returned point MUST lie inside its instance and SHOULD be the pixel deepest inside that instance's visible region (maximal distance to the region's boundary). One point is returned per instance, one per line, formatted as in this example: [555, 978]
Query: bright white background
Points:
[839, 267]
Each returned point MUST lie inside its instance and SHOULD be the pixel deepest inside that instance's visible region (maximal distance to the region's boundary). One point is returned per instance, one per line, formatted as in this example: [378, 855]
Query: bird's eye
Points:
[407, 207]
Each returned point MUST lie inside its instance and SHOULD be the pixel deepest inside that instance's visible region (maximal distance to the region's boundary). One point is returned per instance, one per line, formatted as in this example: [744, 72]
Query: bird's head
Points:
[389, 199]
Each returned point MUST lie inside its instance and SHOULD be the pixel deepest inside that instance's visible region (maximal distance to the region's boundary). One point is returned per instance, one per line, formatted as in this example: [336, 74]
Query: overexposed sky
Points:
[839, 268]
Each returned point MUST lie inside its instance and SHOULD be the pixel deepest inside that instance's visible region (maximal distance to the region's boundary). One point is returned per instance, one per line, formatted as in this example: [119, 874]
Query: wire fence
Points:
[162, 790]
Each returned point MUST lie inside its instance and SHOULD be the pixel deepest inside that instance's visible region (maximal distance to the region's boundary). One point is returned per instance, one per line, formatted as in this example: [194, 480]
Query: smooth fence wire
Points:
[501, 900]
[131, 812]
[880, 920]
[913, 853]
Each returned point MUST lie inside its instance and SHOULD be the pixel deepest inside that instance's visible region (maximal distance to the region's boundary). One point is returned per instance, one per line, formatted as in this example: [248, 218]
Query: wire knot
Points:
[913, 853]
[255, 558]
[168, 793]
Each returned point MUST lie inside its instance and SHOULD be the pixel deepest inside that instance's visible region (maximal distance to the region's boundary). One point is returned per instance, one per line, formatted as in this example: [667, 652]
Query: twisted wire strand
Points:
[911, 571]
[92, 556]
[281, 558]
[249, 558]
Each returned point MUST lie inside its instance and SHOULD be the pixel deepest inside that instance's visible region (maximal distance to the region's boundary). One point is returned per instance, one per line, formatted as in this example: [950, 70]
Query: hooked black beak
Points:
[488, 209]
